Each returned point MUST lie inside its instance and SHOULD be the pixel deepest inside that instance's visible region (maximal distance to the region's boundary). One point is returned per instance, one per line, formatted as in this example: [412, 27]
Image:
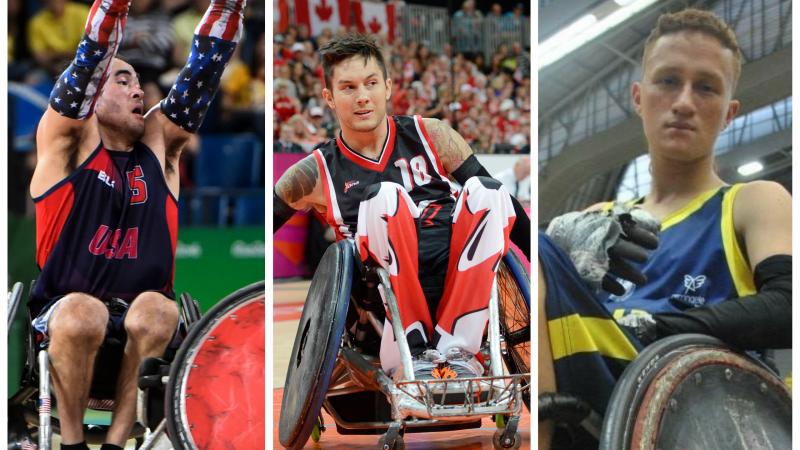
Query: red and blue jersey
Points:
[109, 229]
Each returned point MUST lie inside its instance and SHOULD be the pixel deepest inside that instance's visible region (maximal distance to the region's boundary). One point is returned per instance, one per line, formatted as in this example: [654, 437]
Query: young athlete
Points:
[384, 182]
[723, 265]
[105, 188]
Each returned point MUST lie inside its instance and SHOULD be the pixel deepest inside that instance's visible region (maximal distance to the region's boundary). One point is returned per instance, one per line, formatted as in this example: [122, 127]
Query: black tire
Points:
[316, 345]
[656, 402]
[513, 289]
[179, 430]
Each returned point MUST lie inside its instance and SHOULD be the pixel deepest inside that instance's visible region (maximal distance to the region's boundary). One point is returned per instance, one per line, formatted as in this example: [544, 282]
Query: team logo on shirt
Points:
[688, 299]
[350, 184]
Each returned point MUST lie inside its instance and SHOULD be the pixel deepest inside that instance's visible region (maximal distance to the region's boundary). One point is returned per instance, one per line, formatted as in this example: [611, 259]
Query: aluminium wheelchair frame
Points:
[36, 415]
[414, 405]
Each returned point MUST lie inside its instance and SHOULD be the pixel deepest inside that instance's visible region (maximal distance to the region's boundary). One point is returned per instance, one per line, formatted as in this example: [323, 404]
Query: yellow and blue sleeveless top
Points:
[698, 261]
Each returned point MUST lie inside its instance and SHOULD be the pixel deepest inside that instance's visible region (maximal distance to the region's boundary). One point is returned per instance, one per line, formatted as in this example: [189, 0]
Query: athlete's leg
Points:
[150, 324]
[547, 375]
[387, 233]
[76, 330]
[482, 220]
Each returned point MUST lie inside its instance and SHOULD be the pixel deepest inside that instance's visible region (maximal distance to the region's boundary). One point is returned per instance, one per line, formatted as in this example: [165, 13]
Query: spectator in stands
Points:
[183, 26]
[284, 104]
[467, 28]
[54, 33]
[300, 133]
[147, 46]
[517, 180]
[316, 116]
[285, 143]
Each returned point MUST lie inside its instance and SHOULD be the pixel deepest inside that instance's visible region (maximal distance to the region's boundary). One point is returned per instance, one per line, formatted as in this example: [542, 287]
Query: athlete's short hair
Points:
[701, 21]
[340, 48]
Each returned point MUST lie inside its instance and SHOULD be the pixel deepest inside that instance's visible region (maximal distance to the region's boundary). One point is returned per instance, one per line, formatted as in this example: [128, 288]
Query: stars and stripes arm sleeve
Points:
[213, 45]
[76, 90]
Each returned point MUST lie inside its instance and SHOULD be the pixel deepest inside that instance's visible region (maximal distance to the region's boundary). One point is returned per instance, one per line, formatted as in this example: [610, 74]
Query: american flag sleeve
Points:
[76, 90]
[214, 42]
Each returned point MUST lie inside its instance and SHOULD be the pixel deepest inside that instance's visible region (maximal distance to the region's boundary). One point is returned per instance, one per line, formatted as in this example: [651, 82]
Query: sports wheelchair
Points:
[173, 400]
[334, 362]
[686, 391]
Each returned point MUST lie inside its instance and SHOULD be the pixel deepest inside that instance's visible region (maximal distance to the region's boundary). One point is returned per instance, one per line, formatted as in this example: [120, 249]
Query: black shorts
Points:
[109, 356]
[434, 229]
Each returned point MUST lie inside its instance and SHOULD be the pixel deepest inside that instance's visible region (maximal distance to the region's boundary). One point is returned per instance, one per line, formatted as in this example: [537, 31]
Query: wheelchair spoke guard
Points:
[692, 391]
[316, 345]
[513, 290]
[215, 393]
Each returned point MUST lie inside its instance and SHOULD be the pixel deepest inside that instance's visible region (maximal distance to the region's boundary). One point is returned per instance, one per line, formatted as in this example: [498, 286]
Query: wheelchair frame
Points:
[415, 405]
[37, 367]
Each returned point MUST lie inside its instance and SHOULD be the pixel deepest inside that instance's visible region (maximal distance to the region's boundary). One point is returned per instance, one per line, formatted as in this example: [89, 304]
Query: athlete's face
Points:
[358, 94]
[120, 107]
[684, 98]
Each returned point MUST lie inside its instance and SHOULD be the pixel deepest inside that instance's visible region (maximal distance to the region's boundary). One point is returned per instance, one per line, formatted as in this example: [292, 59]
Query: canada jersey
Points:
[698, 261]
[109, 230]
[408, 158]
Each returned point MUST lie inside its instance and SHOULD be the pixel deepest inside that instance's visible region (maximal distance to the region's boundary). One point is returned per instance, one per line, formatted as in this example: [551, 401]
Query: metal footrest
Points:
[461, 398]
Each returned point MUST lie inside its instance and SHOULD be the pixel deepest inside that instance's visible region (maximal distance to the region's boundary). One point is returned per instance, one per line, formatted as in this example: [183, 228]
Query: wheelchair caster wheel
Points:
[398, 444]
[506, 443]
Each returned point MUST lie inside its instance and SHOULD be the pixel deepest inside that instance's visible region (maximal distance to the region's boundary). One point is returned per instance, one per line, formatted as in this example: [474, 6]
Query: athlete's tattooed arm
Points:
[453, 150]
[297, 187]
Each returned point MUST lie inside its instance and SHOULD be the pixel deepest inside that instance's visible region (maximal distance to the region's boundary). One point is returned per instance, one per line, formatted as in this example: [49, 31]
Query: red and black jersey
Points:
[408, 158]
[109, 229]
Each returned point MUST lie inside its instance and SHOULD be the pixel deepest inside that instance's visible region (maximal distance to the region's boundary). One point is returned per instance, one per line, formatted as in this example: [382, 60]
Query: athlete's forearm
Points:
[76, 90]
[213, 45]
[758, 321]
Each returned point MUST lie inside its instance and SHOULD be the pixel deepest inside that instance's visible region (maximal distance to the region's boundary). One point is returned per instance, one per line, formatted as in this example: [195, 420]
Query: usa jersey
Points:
[408, 158]
[109, 230]
[698, 261]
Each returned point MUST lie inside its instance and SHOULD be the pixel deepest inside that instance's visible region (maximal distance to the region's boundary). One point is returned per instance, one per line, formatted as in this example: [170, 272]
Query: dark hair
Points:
[340, 48]
[701, 21]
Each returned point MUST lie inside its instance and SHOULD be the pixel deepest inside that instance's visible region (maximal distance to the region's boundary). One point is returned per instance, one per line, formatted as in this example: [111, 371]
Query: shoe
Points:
[464, 363]
[425, 365]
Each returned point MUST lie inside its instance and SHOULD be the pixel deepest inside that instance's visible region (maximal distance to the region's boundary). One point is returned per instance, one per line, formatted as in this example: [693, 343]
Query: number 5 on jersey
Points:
[137, 185]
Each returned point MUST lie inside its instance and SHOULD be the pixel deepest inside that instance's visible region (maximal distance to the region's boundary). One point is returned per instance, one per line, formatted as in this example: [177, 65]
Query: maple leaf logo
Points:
[324, 12]
[374, 25]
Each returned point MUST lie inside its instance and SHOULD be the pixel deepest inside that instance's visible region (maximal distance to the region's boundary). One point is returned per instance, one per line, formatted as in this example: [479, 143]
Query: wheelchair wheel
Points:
[215, 393]
[513, 289]
[316, 345]
[692, 391]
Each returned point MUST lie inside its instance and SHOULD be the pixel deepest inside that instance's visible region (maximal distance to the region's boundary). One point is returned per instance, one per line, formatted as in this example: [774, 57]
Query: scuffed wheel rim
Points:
[216, 386]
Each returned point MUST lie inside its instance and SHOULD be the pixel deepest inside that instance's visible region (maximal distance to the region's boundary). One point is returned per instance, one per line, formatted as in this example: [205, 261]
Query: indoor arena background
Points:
[467, 63]
[221, 205]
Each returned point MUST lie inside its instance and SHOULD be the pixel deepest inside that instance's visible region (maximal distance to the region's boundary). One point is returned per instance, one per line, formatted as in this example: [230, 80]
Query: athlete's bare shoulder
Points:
[762, 216]
[451, 147]
[300, 185]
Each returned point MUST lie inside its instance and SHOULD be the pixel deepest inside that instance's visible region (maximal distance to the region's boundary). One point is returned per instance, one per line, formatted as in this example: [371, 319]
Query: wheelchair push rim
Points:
[688, 389]
[215, 393]
[316, 345]
[513, 288]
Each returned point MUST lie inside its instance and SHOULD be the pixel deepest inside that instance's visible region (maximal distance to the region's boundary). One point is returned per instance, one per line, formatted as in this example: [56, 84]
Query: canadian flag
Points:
[320, 14]
[375, 18]
[280, 14]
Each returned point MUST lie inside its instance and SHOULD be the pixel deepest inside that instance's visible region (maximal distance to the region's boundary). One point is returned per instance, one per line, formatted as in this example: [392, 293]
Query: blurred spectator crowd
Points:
[44, 34]
[487, 100]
